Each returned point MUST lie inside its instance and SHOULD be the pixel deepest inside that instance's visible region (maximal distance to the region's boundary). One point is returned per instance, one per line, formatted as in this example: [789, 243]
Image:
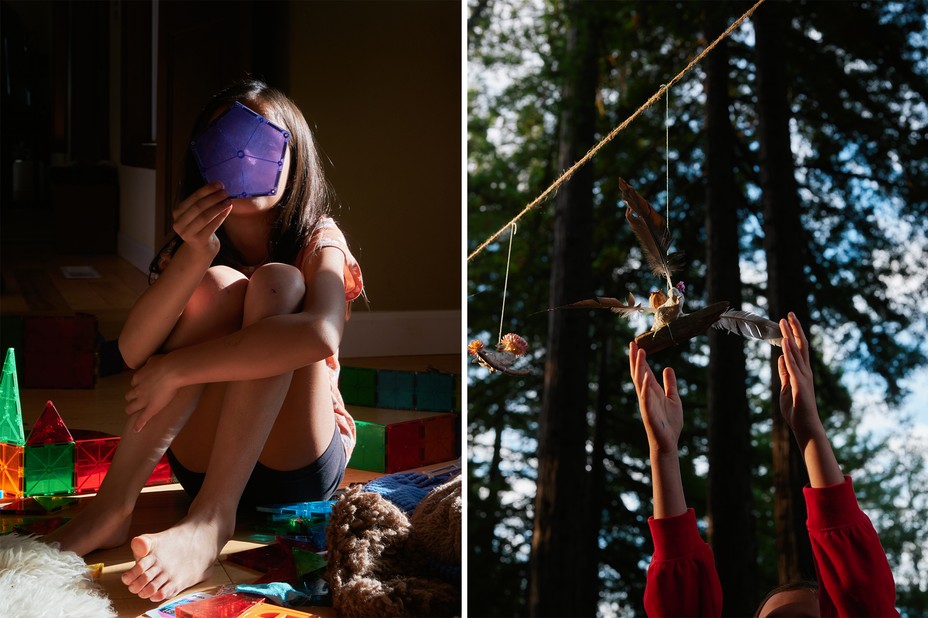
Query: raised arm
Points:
[662, 414]
[797, 404]
[682, 580]
[854, 575]
[157, 310]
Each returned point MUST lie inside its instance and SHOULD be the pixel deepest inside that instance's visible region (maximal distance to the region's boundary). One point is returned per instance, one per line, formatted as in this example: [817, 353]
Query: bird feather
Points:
[750, 325]
[624, 308]
[648, 226]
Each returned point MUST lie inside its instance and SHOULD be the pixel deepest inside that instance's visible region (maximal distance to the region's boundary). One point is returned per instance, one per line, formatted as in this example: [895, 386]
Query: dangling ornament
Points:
[509, 349]
[671, 325]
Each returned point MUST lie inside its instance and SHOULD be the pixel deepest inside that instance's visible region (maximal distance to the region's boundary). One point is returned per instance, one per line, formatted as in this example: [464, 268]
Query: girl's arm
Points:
[854, 575]
[157, 310]
[682, 580]
[662, 414]
[276, 344]
[797, 404]
[269, 347]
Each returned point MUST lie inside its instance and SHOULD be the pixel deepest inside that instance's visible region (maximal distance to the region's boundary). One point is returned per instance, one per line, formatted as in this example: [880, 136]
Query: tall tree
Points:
[784, 247]
[561, 500]
[731, 507]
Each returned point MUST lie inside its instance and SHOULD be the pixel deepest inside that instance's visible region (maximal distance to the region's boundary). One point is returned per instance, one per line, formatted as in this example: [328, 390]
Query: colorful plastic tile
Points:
[307, 562]
[243, 150]
[93, 454]
[358, 385]
[441, 440]
[49, 428]
[11, 470]
[11, 413]
[434, 391]
[395, 389]
[370, 450]
[60, 352]
[49, 470]
[224, 606]
[266, 610]
[162, 474]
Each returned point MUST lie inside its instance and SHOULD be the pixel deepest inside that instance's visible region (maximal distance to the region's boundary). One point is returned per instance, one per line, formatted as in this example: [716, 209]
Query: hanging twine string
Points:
[595, 149]
[502, 312]
[667, 155]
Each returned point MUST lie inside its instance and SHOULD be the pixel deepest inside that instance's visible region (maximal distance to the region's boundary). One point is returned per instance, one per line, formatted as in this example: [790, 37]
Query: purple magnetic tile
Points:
[244, 150]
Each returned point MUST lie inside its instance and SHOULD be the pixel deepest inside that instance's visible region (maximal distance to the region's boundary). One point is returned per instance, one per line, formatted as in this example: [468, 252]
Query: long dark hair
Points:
[307, 196]
[802, 584]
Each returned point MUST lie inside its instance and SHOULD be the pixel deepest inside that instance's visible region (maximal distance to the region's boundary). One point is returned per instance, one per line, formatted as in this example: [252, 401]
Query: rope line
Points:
[595, 149]
[502, 311]
[667, 155]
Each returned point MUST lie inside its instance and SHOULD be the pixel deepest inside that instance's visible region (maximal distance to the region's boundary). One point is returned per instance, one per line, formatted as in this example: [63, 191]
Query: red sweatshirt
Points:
[853, 573]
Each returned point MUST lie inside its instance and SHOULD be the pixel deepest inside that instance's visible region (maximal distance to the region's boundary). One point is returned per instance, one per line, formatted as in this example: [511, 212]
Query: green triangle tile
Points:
[11, 413]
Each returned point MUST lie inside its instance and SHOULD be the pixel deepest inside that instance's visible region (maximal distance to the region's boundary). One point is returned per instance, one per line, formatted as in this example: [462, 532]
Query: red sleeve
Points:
[853, 573]
[682, 580]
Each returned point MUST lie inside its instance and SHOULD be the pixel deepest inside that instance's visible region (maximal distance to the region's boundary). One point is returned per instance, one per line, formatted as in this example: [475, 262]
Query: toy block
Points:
[434, 391]
[307, 562]
[49, 469]
[307, 510]
[11, 413]
[395, 440]
[93, 454]
[60, 352]
[223, 606]
[266, 610]
[396, 389]
[162, 474]
[11, 470]
[440, 438]
[49, 428]
[358, 385]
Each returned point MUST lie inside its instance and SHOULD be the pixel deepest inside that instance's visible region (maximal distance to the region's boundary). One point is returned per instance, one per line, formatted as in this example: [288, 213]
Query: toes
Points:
[156, 589]
[141, 546]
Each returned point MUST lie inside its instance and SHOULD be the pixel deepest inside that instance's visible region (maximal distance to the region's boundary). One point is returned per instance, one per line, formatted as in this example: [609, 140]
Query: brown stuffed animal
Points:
[382, 563]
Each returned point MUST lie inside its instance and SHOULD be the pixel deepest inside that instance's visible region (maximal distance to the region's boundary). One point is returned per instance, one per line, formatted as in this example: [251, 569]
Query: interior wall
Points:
[381, 84]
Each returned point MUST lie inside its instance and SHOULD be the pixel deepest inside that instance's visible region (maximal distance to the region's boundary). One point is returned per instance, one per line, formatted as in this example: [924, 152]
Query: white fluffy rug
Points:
[39, 581]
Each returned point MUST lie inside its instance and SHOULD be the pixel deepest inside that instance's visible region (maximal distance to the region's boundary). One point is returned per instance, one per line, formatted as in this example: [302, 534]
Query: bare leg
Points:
[215, 309]
[169, 562]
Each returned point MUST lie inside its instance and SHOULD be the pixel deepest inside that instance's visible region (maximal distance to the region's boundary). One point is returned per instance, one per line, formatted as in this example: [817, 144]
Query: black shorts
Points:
[317, 481]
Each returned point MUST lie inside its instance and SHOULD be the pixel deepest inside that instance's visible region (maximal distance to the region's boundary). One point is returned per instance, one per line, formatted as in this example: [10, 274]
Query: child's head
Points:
[306, 195]
[797, 599]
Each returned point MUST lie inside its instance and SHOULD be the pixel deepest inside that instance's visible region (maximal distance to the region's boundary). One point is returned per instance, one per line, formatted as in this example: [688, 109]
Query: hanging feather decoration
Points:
[750, 325]
[509, 349]
[671, 325]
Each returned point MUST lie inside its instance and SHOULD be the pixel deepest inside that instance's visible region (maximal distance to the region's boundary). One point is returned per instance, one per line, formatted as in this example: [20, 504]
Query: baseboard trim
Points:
[401, 333]
[134, 252]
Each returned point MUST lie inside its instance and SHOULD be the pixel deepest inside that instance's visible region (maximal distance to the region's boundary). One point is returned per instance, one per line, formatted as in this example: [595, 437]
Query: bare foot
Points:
[171, 561]
[97, 526]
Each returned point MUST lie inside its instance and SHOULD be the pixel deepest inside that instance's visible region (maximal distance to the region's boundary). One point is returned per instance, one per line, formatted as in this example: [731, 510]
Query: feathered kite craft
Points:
[671, 325]
[509, 349]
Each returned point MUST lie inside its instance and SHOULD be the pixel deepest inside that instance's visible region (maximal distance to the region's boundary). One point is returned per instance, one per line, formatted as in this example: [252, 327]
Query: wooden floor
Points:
[33, 283]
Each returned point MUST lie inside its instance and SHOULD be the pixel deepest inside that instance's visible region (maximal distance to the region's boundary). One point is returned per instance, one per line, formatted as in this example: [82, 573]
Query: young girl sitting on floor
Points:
[854, 578]
[235, 346]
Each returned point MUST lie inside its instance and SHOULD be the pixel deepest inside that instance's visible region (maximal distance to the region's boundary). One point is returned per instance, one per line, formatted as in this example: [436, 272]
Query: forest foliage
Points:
[858, 75]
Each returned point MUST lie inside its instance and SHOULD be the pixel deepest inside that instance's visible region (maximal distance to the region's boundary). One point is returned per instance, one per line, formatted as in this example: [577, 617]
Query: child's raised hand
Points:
[797, 393]
[661, 408]
[197, 218]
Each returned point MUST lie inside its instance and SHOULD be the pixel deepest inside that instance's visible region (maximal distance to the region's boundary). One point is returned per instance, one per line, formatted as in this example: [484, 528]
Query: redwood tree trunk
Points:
[786, 286]
[559, 547]
[731, 517]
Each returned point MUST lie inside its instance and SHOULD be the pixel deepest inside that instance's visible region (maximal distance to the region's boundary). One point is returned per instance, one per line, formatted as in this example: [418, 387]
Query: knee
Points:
[214, 309]
[274, 289]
